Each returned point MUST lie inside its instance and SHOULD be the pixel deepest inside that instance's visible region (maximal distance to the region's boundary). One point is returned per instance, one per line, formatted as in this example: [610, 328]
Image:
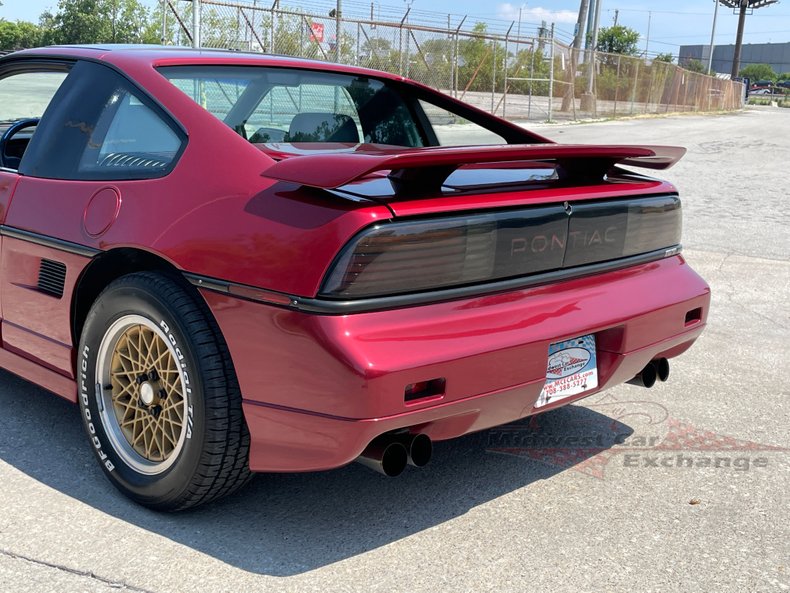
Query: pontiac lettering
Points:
[552, 242]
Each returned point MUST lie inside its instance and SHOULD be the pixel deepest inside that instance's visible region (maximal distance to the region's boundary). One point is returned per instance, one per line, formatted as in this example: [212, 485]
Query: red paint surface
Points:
[360, 364]
[102, 210]
[8, 182]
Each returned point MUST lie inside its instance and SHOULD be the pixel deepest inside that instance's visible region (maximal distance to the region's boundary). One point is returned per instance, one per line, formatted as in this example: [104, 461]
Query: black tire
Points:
[208, 454]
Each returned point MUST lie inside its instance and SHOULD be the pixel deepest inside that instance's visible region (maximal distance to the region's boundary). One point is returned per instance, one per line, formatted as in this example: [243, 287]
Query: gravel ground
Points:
[552, 517]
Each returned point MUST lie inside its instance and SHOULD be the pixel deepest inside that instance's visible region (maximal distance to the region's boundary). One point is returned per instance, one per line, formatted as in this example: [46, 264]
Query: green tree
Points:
[667, 57]
[478, 58]
[758, 72]
[693, 65]
[19, 35]
[96, 21]
[618, 40]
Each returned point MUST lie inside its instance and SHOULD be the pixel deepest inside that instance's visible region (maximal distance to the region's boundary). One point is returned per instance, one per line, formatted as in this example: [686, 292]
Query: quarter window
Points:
[100, 126]
[129, 136]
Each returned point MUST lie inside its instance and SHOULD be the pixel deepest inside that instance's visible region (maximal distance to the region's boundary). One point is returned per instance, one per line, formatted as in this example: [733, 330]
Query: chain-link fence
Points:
[518, 77]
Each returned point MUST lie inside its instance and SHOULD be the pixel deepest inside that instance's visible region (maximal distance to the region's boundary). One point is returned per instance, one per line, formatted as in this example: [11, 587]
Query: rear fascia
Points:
[317, 388]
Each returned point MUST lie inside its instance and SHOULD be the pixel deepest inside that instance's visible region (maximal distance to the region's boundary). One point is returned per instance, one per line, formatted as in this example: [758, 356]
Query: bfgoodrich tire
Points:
[158, 395]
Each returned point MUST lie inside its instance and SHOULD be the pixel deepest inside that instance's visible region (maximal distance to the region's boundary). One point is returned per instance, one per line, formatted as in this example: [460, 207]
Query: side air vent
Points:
[51, 277]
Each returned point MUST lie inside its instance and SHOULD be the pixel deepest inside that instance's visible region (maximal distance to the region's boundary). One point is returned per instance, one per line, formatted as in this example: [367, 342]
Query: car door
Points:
[99, 138]
[27, 88]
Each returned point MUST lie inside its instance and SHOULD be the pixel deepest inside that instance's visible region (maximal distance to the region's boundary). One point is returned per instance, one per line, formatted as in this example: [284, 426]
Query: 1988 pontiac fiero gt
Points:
[243, 263]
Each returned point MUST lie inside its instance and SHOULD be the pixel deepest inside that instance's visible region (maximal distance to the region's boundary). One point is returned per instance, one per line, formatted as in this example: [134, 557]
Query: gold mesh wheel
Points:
[142, 392]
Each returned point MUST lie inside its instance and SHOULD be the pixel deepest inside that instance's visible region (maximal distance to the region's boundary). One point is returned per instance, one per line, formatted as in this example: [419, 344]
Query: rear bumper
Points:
[317, 389]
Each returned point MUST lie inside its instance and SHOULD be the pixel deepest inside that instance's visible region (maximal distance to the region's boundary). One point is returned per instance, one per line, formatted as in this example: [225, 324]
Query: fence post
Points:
[408, 43]
[301, 35]
[636, 84]
[551, 75]
[531, 76]
[617, 85]
[493, 74]
[271, 27]
[504, 84]
[162, 37]
[400, 42]
[196, 10]
[338, 31]
[455, 58]
[356, 61]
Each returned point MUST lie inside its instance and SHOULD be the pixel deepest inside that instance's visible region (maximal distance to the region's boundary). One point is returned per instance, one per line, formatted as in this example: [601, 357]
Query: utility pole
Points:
[590, 23]
[616, 14]
[647, 42]
[580, 24]
[568, 97]
[736, 59]
[577, 44]
[712, 38]
[596, 19]
[743, 6]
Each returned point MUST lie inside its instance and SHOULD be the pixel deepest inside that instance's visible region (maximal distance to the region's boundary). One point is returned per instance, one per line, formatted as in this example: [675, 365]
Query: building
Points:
[777, 55]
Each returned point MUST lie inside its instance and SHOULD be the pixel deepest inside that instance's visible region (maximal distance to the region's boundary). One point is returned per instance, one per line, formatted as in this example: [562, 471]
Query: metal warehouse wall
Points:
[775, 54]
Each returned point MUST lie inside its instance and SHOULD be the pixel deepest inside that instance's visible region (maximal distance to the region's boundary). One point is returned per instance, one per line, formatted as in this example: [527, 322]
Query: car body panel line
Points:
[47, 241]
[343, 307]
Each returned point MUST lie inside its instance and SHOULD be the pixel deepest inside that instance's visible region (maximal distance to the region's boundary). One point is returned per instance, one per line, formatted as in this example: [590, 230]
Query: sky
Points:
[672, 23]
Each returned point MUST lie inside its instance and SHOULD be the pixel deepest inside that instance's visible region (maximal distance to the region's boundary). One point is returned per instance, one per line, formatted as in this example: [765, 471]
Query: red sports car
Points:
[244, 263]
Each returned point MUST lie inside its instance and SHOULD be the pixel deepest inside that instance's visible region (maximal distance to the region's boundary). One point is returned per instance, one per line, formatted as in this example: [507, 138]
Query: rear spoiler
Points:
[426, 169]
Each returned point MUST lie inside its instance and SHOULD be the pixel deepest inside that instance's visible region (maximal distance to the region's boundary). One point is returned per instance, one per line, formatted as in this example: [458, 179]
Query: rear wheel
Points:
[159, 396]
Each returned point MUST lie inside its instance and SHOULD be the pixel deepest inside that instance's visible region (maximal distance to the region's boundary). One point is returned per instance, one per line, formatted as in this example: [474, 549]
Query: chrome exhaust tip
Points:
[385, 455]
[419, 448]
[662, 369]
[647, 377]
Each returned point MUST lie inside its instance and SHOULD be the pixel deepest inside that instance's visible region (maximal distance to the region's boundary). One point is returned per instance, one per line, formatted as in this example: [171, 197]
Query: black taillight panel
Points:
[423, 254]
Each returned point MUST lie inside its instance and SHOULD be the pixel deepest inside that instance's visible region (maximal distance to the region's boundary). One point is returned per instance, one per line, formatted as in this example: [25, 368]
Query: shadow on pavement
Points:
[286, 524]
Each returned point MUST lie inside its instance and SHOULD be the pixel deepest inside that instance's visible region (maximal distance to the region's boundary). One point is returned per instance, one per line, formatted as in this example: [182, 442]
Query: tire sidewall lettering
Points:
[86, 412]
[184, 374]
[153, 300]
[88, 381]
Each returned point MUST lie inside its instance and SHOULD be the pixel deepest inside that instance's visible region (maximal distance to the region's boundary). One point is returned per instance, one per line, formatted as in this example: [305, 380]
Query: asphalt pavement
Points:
[686, 488]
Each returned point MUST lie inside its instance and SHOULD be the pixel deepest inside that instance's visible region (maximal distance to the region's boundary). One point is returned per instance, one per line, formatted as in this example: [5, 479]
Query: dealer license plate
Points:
[572, 369]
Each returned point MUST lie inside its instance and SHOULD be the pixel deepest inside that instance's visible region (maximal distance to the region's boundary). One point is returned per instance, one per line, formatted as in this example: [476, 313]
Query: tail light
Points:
[419, 255]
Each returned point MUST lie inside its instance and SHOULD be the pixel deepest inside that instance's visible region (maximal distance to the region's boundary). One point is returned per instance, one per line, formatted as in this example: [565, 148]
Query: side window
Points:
[24, 96]
[452, 130]
[100, 126]
[129, 135]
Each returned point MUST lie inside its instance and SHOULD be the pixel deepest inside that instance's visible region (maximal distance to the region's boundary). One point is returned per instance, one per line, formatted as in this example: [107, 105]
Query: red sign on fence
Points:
[317, 33]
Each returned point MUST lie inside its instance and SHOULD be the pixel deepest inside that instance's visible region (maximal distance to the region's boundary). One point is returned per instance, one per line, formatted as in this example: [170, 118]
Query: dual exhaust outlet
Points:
[655, 369]
[390, 453]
